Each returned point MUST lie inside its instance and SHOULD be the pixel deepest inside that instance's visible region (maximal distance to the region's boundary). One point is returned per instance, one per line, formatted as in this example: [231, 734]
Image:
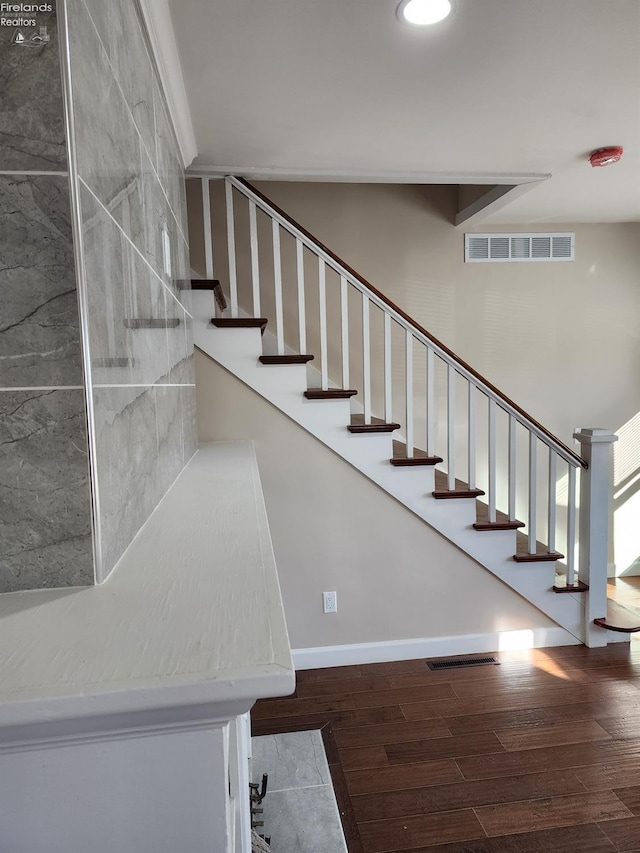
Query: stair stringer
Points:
[237, 350]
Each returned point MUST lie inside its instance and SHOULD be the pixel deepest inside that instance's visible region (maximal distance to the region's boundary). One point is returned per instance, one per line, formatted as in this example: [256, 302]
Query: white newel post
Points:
[593, 529]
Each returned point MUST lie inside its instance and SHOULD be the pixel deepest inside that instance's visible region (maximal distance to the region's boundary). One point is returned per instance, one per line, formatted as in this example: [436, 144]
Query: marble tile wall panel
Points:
[180, 374]
[189, 428]
[145, 436]
[181, 271]
[107, 142]
[45, 506]
[31, 111]
[120, 32]
[177, 339]
[150, 346]
[39, 326]
[188, 328]
[129, 478]
[158, 217]
[169, 165]
[170, 434]
[120, 166]
[143, 381]
[122, 289]
[104, 266]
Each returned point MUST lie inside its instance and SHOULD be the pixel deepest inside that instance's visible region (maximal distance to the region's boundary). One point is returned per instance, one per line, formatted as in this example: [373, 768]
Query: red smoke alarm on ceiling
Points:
[604, 156]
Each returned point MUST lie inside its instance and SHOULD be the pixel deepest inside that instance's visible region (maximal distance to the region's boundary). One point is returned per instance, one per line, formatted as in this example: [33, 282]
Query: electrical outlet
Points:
[330, 602]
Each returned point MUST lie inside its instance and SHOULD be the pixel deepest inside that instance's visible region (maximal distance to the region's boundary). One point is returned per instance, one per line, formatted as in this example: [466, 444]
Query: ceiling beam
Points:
[493, 200]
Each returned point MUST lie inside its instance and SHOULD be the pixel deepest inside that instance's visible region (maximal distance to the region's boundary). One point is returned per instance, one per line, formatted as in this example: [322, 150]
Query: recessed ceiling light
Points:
[423, 12]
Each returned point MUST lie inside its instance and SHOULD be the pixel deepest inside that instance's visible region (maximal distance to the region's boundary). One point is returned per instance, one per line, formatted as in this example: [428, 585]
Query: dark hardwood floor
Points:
[540, 754]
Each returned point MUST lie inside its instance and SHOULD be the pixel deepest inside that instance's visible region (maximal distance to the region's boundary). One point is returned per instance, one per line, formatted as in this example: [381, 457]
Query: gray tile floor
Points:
[300, 810]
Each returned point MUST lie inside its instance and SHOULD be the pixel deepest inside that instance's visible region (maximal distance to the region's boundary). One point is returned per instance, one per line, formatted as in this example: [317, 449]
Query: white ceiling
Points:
[339, 88]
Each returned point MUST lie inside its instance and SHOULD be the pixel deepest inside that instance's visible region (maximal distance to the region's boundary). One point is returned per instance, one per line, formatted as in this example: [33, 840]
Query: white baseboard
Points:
[430, 647]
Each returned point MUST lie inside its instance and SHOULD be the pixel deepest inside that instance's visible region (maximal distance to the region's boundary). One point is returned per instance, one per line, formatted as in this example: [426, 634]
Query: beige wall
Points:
[333, 529]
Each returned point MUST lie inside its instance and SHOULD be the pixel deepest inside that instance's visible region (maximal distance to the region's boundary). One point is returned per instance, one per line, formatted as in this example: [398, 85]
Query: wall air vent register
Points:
[483, 248]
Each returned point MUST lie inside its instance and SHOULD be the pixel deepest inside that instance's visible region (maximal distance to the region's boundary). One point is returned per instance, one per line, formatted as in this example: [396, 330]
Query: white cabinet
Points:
[124, 707]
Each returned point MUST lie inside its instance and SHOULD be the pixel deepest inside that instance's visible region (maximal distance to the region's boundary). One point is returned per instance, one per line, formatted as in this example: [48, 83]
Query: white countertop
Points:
[189, 624]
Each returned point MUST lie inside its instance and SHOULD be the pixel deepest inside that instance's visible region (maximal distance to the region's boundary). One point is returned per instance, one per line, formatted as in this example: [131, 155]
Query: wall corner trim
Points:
[429, 647]
[157, 17]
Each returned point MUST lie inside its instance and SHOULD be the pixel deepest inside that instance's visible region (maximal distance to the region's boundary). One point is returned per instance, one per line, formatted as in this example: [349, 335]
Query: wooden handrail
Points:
[567, 451]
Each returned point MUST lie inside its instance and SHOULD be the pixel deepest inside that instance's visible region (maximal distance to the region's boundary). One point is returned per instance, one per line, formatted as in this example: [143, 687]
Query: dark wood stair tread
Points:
[502, 522]
[240, 323]
[542, 554]
[420, 457]
[619, 618]
[285, 359]
[358, 425]
[578, 586]
[462, 490]
[329, 394]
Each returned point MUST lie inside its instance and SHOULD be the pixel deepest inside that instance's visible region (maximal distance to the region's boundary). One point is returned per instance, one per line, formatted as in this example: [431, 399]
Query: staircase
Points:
[296, 324]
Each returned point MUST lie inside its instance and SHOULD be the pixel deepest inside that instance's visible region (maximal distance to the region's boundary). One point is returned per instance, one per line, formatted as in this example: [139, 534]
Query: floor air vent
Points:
[449, 663]
[483, 248]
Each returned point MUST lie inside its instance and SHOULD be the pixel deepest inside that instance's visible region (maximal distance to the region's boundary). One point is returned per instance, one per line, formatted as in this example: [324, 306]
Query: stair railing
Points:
[550, 511]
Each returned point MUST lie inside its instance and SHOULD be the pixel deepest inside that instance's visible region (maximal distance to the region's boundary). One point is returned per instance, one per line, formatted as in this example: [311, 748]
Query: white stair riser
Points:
[419, 479]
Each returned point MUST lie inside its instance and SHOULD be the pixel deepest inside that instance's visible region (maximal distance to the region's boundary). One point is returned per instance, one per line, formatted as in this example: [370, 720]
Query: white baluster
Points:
[388, 400]
[571, 528]
[551, 523]
[344, 324]
[208, 241]
[431, 408]
[451, 427]
[533, 483]
[471, 437]
[492, 460]
[206, 220]
[366, 359]
[512, 468]
[277, 277]
[409, 390]
[231, 250]
[255, 265]
[322, 295]
[302, 314]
